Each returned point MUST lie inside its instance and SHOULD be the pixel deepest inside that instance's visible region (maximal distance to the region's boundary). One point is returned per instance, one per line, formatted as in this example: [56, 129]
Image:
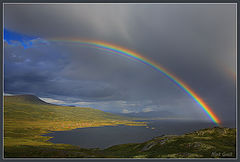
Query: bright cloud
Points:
[53, 101]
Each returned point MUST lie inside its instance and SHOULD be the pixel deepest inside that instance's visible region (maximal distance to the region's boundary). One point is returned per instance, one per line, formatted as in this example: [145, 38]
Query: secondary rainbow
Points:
[117, 50]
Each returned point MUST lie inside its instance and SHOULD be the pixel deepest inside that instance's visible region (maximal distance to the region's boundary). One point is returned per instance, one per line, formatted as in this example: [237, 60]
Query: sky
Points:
[195, 42]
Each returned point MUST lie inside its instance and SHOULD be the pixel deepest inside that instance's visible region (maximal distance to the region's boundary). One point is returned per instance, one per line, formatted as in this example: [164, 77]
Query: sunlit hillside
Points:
[27, 118]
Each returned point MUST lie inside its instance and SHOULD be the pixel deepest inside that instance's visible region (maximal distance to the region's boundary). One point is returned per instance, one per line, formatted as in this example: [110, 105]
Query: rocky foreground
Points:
[214, 142]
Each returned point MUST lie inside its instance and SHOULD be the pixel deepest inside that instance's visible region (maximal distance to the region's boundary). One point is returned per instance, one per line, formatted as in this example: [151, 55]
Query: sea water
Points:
[103, 137]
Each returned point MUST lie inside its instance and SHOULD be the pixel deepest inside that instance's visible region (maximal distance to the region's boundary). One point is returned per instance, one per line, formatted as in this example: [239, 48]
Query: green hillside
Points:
[26, 118]
[31, 108]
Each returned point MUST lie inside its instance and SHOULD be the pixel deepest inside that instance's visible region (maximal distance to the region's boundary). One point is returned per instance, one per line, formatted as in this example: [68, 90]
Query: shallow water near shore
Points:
[103, 137]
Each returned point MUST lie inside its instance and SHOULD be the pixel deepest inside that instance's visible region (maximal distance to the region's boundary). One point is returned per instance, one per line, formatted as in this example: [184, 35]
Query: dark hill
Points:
[26, 98]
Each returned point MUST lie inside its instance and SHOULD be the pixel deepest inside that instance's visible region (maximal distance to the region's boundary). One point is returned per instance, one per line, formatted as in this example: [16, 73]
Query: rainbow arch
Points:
[117, 50]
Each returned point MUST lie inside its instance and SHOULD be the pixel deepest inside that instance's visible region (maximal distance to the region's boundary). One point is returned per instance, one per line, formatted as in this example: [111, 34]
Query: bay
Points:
[107, 136]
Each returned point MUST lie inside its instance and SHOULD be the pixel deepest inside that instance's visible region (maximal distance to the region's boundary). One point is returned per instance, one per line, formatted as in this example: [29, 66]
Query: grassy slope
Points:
[26, 119]
[25, 123]
[206, 143]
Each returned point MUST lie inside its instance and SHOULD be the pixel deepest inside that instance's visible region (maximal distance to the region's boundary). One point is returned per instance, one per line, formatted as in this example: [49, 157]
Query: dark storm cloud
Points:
[68, 20]
[194, 41]
[39, 71]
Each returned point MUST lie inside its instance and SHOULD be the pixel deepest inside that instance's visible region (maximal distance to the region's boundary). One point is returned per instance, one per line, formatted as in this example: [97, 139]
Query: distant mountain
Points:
[150, 114]
[26, 98]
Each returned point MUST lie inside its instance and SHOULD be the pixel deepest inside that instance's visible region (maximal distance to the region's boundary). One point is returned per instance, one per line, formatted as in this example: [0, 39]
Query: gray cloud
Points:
[196, 42]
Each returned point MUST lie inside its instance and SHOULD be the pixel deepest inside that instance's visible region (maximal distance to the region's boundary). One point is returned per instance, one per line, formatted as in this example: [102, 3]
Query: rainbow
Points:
[117, 50]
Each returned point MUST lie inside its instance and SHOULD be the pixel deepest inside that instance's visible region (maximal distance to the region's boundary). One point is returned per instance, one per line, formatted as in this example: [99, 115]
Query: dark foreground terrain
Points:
[26, 119]
[207, 143]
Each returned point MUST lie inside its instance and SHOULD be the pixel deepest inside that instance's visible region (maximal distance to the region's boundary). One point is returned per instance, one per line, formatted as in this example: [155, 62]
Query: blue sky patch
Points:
[14, 38]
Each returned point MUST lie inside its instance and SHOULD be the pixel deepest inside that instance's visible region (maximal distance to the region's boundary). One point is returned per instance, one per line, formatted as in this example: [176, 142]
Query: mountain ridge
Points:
[26, 98]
